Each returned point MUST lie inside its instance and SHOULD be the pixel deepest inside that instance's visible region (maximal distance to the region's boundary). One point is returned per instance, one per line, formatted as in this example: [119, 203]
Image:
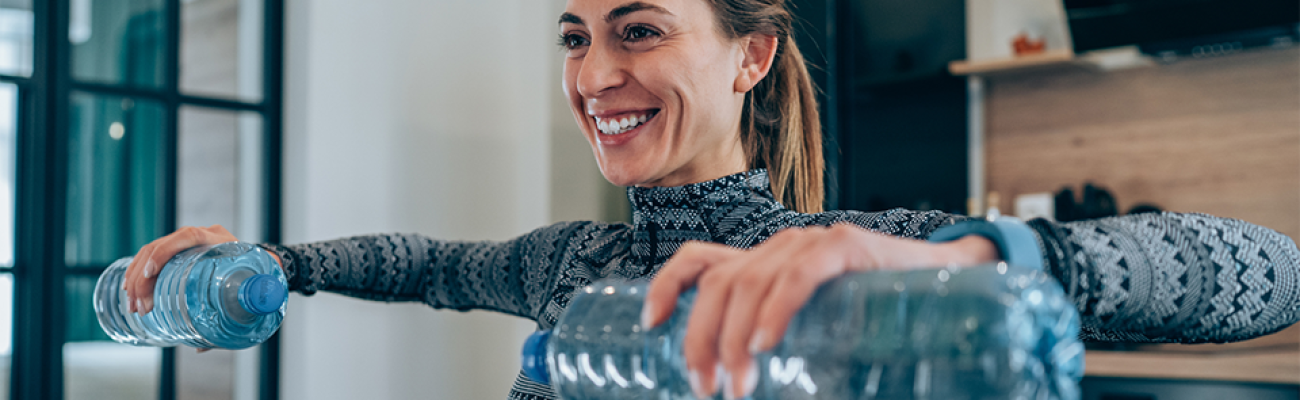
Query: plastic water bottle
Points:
[230, 295]
[986, 332]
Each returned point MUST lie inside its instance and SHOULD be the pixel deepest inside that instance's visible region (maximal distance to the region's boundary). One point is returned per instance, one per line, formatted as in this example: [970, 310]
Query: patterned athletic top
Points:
[1168, 277]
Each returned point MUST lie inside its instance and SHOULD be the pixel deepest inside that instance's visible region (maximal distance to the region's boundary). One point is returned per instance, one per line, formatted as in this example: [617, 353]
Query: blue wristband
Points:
[1014, 239]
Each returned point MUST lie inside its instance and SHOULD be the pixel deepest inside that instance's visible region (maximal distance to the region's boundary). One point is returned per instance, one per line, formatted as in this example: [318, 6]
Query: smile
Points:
[619, 125]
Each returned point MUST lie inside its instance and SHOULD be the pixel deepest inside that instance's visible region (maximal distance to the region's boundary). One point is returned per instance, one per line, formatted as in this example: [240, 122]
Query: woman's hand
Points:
[747, 297]
[142, 274]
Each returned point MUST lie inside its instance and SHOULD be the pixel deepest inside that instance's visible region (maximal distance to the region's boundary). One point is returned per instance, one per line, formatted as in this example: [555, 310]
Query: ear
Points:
[758, 52]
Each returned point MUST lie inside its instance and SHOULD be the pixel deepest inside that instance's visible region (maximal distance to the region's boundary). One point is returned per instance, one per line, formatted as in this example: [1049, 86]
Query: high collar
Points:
[709, 211]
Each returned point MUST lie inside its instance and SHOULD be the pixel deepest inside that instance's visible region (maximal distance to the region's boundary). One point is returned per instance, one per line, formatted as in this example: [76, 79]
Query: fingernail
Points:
[728, 389]
[139, 306]
[751, 379]
[645, 316]
[720, 379]
[148, 268]
[756, 342]
[694, 379]
[148, 305]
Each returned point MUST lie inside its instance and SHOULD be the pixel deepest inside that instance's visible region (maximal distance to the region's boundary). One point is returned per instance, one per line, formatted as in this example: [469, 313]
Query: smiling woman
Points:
[668, 98]
[704, 109]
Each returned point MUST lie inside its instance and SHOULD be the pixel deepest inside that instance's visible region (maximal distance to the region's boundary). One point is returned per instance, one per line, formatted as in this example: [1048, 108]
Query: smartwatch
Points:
[1014, 239]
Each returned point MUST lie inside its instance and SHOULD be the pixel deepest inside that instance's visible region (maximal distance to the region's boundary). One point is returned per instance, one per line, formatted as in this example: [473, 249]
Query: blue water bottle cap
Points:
[533, 358]
[262, 294]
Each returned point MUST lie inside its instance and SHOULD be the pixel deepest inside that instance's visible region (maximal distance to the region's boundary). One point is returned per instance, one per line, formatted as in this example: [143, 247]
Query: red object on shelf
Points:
[1024, 45]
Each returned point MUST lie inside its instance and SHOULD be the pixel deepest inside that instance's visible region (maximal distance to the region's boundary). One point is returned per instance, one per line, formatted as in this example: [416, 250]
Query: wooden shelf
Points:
[1049, 59]
[1098, 60]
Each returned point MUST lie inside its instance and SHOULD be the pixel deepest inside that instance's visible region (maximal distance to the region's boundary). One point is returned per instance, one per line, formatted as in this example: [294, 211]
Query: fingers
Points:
[131, 276]
[701, 341]
[735, 294]
[787, 296]
[751, 285]
[678, 274]
[142, 273]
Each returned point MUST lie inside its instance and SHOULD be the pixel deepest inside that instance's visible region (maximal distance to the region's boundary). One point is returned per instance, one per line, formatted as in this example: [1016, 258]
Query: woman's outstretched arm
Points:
[1169, 277]
[507, 276]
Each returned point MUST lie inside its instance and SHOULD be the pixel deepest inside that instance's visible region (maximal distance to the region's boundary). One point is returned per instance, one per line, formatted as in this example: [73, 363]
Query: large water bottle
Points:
[230, 295]
[987, 332]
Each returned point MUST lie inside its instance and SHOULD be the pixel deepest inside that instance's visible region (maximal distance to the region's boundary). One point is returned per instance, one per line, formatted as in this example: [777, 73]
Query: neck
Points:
[728, 159]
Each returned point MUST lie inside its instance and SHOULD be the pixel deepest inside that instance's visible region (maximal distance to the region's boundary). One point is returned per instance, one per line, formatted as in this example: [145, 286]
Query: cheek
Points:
[569, 80]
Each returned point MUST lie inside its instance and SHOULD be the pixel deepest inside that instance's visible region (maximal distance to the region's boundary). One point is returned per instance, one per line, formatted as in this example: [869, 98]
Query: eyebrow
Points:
[616, 13]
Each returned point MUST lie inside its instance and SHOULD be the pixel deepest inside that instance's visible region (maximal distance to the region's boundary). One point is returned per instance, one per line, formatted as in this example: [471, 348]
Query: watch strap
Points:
[1014, 239]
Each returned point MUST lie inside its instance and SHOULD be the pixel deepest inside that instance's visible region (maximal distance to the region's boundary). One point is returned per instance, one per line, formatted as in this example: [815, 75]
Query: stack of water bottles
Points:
[987, 332]
[229, 295]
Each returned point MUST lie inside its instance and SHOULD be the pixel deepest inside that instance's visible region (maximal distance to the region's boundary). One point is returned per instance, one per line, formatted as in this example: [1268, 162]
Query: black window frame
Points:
[39, 269]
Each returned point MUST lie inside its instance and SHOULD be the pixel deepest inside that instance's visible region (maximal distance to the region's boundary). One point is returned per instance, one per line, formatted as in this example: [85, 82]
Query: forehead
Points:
[594, 11]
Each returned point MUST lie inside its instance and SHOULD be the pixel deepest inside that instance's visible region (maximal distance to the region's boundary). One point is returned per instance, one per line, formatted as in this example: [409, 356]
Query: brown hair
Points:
[779, 127]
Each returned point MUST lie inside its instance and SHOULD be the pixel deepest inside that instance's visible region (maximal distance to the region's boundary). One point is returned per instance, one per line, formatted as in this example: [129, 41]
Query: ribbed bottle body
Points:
[230, 295]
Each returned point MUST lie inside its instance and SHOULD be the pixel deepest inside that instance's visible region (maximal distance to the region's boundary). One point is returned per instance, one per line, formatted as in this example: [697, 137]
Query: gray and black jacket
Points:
[1186, 278]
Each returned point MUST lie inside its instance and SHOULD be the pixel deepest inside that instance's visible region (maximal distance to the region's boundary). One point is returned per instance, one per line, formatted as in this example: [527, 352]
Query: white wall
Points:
[414, 116]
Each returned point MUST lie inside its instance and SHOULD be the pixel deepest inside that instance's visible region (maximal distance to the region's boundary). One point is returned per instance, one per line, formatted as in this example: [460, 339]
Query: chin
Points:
[621, 176]
[628, 172]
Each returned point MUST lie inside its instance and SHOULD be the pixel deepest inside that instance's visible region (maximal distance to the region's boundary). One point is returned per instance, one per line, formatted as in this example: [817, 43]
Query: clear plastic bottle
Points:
[230, 295]
[986, 332]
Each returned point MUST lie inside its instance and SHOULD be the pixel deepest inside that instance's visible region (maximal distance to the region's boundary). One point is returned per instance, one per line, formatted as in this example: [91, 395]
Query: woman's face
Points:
[653, 85]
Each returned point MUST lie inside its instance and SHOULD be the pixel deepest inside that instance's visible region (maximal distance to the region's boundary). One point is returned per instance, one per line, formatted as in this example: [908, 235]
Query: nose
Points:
[601, 70]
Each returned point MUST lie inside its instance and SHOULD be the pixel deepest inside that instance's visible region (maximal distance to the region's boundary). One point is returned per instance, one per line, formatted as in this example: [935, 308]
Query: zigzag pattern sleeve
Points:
[1187, 278]
[508, 276]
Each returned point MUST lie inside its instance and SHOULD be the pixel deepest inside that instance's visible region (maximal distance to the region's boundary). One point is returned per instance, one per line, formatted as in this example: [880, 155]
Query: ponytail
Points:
[779, 126]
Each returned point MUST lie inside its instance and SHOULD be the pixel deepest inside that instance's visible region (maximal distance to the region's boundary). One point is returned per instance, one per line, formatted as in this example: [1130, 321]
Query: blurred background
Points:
[297, 121]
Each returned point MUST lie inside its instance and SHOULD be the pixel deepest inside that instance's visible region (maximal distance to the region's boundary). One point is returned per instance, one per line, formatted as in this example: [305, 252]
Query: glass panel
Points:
[219, 172]
[8, 148]
[8, 123]
[6, 331]
[116, 178]
[118, 42]
[219, 180]
[221, 48]
[95, 367]
[16, 37]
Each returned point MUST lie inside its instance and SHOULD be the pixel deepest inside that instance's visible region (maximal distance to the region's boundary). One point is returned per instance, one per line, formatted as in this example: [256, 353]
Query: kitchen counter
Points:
[1270, 359]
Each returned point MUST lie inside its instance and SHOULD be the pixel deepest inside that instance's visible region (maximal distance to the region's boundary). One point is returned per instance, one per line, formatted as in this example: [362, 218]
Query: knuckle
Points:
[842, 232]
[713, 278]
[698, 354]
[801, 277]
[751, 280]
[733, 357]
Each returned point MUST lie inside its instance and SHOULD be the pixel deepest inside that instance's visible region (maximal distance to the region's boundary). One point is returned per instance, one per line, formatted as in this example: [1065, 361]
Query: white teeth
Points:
[621, 125]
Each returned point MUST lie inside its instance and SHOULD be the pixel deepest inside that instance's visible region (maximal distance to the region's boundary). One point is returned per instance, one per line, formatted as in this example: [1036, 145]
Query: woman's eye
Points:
[572, 41]
[636, 33]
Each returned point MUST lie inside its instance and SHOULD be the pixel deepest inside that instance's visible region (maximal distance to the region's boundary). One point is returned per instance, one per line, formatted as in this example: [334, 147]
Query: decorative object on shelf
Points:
[991, 24]
[1022, 45]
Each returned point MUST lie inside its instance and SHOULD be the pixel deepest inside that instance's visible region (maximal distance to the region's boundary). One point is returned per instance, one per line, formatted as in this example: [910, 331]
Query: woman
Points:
[705, 110]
